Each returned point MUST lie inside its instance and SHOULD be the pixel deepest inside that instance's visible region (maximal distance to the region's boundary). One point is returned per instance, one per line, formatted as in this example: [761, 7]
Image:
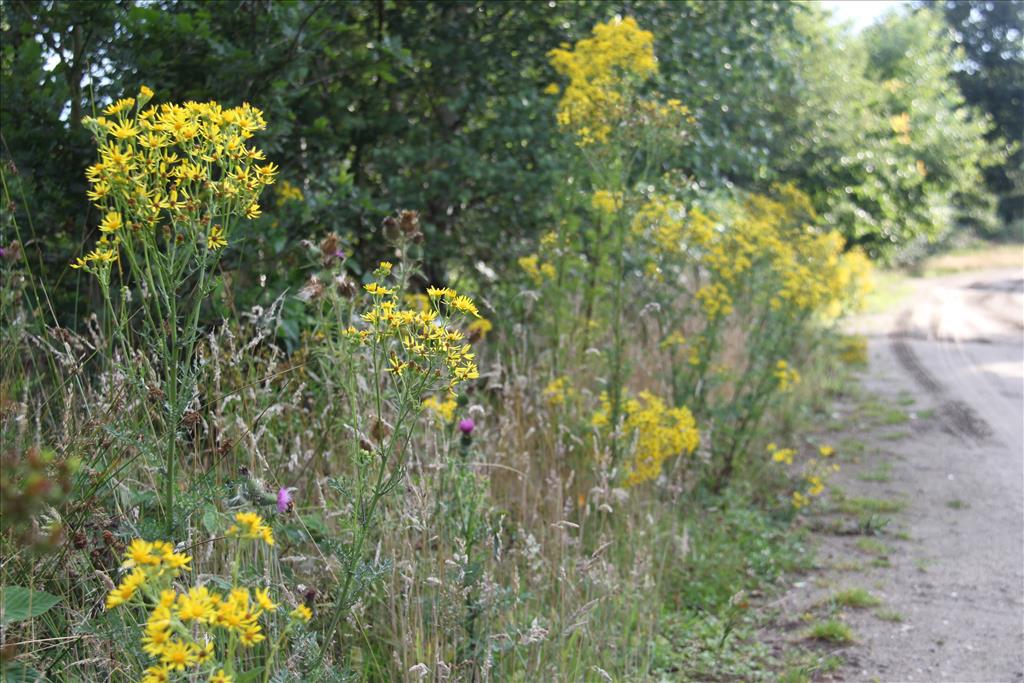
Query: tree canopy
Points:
[441, 106]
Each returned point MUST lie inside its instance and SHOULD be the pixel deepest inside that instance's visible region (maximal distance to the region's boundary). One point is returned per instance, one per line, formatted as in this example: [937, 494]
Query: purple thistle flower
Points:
[466, 425]
[284, 500]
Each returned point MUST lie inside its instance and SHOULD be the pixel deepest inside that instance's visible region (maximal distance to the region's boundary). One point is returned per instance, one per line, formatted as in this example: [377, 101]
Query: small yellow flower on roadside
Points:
[301, 613]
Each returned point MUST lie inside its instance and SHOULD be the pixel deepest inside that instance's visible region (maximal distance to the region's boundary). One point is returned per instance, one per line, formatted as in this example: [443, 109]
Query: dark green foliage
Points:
[379, 105]
[991, 35]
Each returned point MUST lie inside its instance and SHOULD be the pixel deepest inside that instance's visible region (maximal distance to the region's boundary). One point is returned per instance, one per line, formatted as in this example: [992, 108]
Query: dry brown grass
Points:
[976, 258]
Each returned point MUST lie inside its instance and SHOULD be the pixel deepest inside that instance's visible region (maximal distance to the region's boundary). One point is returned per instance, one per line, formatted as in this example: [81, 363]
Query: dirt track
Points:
[957, 576]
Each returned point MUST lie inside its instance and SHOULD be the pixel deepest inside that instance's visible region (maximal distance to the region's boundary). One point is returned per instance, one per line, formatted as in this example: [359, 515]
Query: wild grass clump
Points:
[462, 481]
[854, 597]
[830, 631]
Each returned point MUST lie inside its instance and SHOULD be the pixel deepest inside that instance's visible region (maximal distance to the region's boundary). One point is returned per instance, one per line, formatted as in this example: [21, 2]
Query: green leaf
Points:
[18, 603]
[211, 519]
[20, 673]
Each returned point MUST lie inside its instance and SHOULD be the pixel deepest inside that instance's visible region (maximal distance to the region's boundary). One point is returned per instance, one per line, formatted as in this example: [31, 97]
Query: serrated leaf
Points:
[18, 603]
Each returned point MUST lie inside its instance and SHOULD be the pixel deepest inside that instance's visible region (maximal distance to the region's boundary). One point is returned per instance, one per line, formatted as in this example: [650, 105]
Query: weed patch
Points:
[830, 631]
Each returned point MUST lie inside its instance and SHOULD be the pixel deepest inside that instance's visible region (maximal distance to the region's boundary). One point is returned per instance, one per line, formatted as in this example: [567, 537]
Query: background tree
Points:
[991, 77]
[890, 151]
[378, 105]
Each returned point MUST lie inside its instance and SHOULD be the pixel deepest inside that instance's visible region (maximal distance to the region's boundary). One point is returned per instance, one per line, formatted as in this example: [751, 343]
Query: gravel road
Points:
[953, 587]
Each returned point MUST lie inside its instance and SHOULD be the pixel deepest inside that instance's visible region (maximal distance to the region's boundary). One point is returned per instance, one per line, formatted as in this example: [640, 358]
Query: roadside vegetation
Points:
[578, 430]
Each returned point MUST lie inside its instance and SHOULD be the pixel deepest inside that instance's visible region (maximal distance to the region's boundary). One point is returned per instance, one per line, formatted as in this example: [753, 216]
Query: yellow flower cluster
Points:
[715, 299]
[287, 192]
[659, 433]
[182, 627]
[787, 376]
[606, 202]
[536, 270]
[425, 338]
[661, 221]
[900, 125]
[601, 69]
[814, 479]
[769, 246]
[445, 410]
[673, 340]
[558, 391]
[853, 350]
[148, 561]
[479, 328]
[250, 525]
[189, 165]
[783, 455]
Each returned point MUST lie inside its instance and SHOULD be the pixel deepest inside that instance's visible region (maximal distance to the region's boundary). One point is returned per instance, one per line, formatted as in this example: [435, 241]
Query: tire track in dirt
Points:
[954, 570]
[957, 416]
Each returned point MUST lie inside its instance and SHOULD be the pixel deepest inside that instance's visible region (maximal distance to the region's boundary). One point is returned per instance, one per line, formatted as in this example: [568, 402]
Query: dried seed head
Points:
[409, 221]
[380, 430]
[346, 287]
[312, 290]
[329, 245]
[12, 252]
[392, 233]
[155, 393]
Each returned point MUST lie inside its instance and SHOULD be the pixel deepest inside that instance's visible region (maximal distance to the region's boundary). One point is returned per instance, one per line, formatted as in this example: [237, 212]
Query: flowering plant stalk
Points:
[172, 183]
[621, 135]
[404, 355]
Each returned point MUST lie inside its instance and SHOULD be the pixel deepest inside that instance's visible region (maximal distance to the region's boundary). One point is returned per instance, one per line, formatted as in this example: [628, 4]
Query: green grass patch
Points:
[879, 413]
[848, 566]
[707, 630]
[807, 672]
[957, 504]
[830, 631]
[870, 506]
[889, 615]
[852, 447]
[857, 598]
[881, 473]
[737, 547]
[871, 546]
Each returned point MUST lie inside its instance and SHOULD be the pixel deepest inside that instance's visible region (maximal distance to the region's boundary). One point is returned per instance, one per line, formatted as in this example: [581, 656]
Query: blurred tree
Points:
[725, 60]
[49, 54]
[890, 152]
[991, 76]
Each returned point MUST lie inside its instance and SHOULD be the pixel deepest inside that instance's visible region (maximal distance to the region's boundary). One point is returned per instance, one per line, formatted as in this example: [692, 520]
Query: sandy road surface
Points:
[957, 579]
